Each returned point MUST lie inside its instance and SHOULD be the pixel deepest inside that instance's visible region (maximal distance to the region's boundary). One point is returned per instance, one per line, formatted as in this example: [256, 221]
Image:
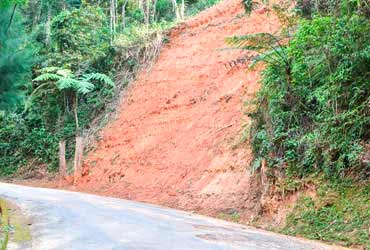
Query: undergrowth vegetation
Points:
[316, 117]
[106, 38]
[340, 214]
[311, 116]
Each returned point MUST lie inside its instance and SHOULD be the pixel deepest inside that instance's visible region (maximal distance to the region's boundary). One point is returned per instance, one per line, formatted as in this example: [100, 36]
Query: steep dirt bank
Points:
[176, 139]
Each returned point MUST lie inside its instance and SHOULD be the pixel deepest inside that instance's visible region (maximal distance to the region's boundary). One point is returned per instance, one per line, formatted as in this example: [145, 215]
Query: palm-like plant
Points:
[64, 80]
[69, 85]
[270, 48]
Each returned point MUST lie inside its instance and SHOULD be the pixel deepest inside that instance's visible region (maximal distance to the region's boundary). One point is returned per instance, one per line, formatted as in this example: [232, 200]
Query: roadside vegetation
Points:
[14, 227]
[311, 117]
[63, 66]
[4, 225]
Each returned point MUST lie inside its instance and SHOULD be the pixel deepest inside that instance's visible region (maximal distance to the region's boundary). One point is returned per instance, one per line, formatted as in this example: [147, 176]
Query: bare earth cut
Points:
[176, 140]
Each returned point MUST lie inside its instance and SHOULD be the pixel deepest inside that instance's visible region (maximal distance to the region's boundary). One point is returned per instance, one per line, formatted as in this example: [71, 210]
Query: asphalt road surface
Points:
[63, 220]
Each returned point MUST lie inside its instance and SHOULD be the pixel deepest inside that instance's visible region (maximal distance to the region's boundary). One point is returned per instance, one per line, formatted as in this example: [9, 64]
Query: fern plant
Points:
[68, 84]
[270, 48]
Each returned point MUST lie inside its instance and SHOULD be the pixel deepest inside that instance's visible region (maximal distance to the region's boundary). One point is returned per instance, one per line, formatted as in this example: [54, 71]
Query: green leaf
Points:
[100, 77]
[47, 77]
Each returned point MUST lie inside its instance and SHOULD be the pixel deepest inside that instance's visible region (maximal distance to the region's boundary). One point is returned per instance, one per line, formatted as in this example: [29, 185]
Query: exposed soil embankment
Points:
[176, 141]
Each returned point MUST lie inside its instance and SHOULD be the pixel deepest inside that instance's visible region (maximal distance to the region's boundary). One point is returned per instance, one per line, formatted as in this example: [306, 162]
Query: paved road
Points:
[63, 220]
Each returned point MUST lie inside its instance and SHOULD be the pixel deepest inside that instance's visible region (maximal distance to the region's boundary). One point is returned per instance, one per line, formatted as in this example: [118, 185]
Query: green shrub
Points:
[197, 6]
[340, 214]
[80, 39]
[317, 118]
[27, 139]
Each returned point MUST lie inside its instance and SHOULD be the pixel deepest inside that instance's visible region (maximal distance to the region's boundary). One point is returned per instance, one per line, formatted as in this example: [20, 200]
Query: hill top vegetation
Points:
[58, 62]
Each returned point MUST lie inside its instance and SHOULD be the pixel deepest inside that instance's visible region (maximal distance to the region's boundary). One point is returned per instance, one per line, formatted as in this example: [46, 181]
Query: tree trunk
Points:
[62, 161]
[124, 14]
[182, 15]
[146, 8]
[112, 11]
[48, 28]
[11, 17]
[154, 10]
[79, 144]
[78, 161]
[176, 9]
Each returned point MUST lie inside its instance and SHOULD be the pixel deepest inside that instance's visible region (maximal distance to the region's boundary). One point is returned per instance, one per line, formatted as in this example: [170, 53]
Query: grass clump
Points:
[4, 225]
[339, 214]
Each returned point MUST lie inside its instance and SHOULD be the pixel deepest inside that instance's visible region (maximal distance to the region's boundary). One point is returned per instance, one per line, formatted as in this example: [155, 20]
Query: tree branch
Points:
[11, 18]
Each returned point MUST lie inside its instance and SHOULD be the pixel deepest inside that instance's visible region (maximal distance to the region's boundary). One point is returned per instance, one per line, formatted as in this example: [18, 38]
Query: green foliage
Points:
[25, 139]
[64, 79]
[6, 3]
[16, 59]
[73, 35]
[194, 7]
[267, 45]
[315, 117]
[249, 6]
[80, 39]
[340, 214]
[308, 8]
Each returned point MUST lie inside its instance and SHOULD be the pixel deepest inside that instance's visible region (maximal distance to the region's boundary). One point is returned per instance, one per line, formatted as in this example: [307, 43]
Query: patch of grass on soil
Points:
[4, 225]
[14, 227]
[340, 213]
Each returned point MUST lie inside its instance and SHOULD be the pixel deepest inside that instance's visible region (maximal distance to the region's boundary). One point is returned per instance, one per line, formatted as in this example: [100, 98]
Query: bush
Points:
[317, 118]
[80, 39]
[24, 139]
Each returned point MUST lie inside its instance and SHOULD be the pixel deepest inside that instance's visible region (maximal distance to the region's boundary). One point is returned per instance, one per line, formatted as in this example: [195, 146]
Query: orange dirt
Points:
[175, 141]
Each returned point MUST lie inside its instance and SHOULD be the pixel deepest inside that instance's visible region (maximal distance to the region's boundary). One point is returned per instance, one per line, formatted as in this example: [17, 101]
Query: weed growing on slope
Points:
[340, 213]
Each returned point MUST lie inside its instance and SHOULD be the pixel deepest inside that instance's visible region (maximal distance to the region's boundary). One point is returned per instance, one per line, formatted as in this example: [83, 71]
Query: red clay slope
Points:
[174, 140]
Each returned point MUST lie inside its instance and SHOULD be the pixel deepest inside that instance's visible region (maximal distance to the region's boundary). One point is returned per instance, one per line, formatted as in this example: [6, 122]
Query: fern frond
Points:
[35, 93]
[259, 42]
[49, 69]
[84, 87]
[67, 83]
[249, 6]
[66, 73]
[47, 77]
[263, 43]
[268, 57]
[99, 77]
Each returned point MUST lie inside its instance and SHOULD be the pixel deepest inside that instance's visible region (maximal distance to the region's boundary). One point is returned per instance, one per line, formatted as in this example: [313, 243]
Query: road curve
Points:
[63, 220]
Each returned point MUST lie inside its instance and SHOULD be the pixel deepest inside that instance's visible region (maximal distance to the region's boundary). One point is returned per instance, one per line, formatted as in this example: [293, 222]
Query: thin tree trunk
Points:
[79, 145]
[78, 161]
[115, 14]
[176, 9]
[111, 21]
[146, 7]
[182, 10]
[11, 18]
[62, 161]
[62, 146]
[123, 14]
[48, 28]
[154, 10]
[76, 114]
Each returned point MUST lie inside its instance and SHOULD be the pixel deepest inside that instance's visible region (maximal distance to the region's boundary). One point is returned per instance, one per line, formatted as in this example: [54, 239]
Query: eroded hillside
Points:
[177, 139]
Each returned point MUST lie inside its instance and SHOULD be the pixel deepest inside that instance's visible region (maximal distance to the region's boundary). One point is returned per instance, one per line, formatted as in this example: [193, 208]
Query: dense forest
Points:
[63, 62]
